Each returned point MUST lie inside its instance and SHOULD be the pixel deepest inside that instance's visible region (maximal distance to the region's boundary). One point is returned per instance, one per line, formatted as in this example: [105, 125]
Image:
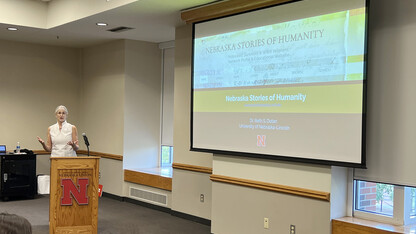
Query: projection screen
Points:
[285, 82]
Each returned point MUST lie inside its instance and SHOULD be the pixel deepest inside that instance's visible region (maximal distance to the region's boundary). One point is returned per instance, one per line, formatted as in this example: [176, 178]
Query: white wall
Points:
[49, 14]
[34, 80]
[182, 102]
[64, 11]
[252, 205]
[314, 177]
[102, 97]
[237, 209]
[187, 186]
[168, 95]
[112, 91]
[112, 176]
[340, 205]
[142, 105]
[34, 12]
[120, 104]
[391, 110]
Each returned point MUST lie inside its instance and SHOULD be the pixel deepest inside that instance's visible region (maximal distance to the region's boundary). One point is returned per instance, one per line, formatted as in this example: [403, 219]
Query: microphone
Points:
[85, 139]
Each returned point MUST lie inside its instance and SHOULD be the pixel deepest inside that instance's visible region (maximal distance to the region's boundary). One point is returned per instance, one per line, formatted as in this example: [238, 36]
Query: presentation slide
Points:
[291, 89]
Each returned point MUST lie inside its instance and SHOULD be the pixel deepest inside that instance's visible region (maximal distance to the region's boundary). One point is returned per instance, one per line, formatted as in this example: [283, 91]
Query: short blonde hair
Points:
[61, 107]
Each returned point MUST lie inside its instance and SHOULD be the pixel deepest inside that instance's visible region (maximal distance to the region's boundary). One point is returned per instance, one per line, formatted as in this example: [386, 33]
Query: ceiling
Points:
[151, 20]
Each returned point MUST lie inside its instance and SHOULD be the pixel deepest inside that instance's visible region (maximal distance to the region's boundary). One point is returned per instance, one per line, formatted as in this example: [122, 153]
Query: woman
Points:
[62, 137]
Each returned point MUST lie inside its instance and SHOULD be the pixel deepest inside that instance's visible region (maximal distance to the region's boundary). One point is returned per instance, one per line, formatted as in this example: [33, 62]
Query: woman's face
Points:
[61, 115]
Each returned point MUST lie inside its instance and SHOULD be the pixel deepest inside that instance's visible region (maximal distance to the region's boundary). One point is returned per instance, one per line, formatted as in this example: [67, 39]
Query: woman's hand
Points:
[41, 141]
[74, 144]
[44, 145]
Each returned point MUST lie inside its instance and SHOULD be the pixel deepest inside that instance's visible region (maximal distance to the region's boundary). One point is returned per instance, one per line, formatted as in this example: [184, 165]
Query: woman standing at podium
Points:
[62, 138]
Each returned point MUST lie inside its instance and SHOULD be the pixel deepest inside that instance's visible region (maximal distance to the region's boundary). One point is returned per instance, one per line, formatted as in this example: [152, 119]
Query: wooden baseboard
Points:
[273, 187]
[191, 217]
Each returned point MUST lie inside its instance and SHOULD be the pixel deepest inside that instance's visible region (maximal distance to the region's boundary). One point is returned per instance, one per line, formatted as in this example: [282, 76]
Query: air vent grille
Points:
[148, 196]
[120, 29]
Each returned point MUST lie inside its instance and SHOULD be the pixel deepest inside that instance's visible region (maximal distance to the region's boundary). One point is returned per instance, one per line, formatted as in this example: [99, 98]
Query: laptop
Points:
[2, 149]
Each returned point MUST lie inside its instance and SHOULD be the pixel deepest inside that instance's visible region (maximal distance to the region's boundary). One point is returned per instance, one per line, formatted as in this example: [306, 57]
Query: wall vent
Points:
[120, 29]
[149, 196]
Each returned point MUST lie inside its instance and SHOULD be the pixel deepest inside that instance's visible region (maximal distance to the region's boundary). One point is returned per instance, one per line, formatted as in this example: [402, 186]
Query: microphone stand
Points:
[87, 143]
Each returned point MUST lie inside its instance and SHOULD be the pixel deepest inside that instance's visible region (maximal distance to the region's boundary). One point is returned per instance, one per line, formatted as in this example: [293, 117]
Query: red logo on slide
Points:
[80, 194]
[261, 140]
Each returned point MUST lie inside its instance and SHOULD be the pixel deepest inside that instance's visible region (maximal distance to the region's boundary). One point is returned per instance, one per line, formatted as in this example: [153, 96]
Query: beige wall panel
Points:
[339, 192]
[315, 177]
[43, 164]
[168, 92]
[391, 108]
[142, 104]
[111, 172]
[64, 11]
[34, 12]
[187, 187]
[34, 80]
[182, 105]
[237, 209]
[103, 97]
[49, 14]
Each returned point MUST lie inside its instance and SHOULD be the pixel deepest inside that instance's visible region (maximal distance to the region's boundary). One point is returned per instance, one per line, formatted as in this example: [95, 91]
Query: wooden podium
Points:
[73, 205]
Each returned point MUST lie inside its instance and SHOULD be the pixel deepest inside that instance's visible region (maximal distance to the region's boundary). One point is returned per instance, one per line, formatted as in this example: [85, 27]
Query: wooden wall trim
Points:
[92, 153]
[147, 179]
[342, 226]
[225, 8]
[195, 168]
[41, 152]
[273, 187]
[101, 154]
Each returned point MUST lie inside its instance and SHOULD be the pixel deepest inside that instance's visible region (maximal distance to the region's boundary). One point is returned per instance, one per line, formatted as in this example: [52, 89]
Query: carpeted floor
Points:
[114, 217]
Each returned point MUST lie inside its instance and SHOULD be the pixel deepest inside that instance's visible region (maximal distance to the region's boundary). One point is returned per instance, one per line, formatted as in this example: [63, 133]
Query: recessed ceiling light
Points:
[101, 24]
[12, 29]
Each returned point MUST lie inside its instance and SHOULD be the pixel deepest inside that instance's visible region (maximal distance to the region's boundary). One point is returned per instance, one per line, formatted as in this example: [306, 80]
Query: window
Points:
[375, 198]
[387, 203]
[410, 209]
[166, 156]
[412, 202]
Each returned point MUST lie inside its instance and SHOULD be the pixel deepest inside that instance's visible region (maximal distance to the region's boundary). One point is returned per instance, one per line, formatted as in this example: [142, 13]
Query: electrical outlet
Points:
[201, 197]
[292, 229]
[266, 223]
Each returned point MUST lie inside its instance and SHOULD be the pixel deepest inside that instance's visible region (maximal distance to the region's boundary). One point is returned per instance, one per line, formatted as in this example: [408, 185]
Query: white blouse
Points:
[60, 139]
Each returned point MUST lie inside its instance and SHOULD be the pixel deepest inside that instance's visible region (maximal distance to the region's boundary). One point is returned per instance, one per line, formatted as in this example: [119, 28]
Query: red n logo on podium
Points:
[80, 195]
